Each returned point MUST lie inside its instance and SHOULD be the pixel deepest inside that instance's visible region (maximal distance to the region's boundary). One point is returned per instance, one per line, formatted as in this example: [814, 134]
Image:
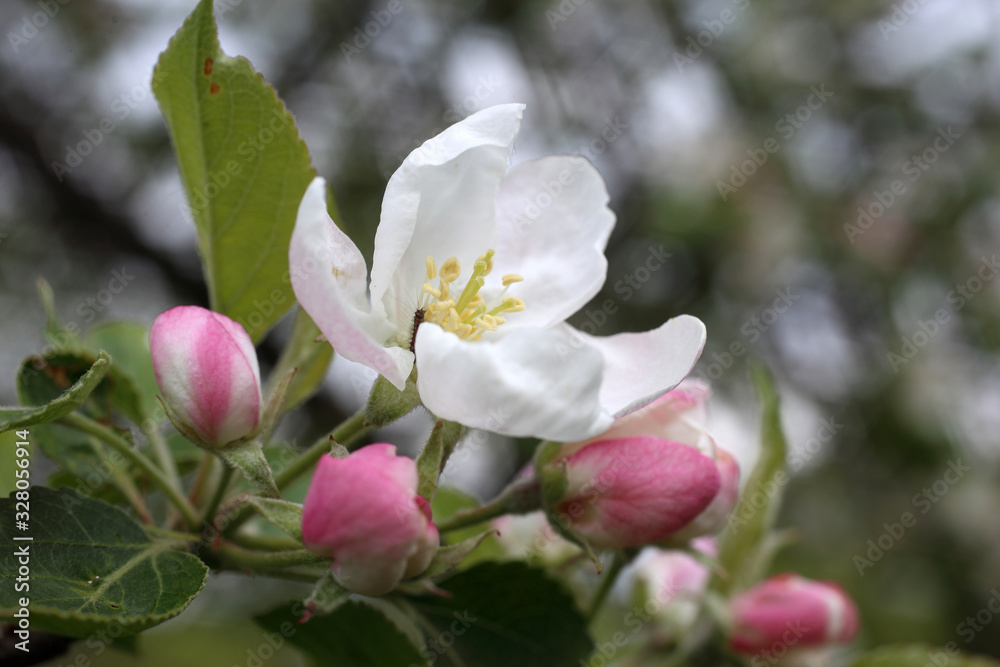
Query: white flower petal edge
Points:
[329, 278]
[553, 224]
[441, 202]
[641, 367]
[531, 382]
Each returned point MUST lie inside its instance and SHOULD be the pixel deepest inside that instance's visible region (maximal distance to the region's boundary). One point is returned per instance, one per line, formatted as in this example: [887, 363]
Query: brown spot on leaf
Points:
[213, 89]
[208, 66]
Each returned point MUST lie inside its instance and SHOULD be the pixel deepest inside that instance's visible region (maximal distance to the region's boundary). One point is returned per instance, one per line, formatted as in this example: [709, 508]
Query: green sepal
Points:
[249, 459]
[434, 456]
[326, 597]
[387, 404]
[449, 557]
[284, 514]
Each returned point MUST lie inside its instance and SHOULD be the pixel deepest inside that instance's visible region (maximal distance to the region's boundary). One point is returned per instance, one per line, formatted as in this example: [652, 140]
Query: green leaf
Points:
[919, 655]
[91, 566]
[742, 547]
[128, 345]
[243, 166]
[65, 403]
[310, 358]
[509, 615]
[354, 635]
[283, 514]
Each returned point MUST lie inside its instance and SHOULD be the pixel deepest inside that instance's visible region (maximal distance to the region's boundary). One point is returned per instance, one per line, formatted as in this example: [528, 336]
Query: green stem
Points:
[174, 495]
[217, 494]
[617, 563]
[520, 497]
[266, 560]
[345, 434]
[132, 494]
[163, 455]
[205, 466]
[265, 543]
[303, 574]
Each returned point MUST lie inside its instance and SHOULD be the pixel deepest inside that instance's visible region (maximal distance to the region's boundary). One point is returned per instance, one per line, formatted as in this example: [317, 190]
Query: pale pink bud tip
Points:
[633, 491]
[207, 370]
[364, 512]
[790, 611]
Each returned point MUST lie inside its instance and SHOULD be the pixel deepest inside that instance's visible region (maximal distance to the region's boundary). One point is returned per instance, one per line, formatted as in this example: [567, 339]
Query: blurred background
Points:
[817, 181]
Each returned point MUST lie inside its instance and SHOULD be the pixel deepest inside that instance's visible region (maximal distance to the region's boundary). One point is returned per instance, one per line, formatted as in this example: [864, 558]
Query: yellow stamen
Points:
[469, 316]
[472, 288]
[450, 270]
[511, 278]
[511, 304]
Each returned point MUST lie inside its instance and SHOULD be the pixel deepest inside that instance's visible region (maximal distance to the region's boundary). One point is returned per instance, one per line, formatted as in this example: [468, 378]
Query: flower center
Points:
[467, 315]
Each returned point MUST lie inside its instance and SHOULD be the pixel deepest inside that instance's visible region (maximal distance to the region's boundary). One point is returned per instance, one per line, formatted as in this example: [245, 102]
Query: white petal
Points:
[640, 367]
[328, 276]
[441, 202]
[553, 223]
[532, 382]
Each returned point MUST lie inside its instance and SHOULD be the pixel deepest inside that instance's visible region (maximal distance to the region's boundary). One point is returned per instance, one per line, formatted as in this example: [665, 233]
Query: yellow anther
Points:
[487, 259]
[451, 270]
[469, 315]
[511, 278]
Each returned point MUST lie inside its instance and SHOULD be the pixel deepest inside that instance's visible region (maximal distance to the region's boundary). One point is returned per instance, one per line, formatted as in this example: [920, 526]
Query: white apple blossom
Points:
[476, 268]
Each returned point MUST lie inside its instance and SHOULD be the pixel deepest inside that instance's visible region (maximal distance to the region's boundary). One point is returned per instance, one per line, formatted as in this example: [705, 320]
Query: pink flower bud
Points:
[364, 512]
[675, 581]
[632, 491]
[790, 611]
[663, 464]
[207, 369]
[715, 516]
